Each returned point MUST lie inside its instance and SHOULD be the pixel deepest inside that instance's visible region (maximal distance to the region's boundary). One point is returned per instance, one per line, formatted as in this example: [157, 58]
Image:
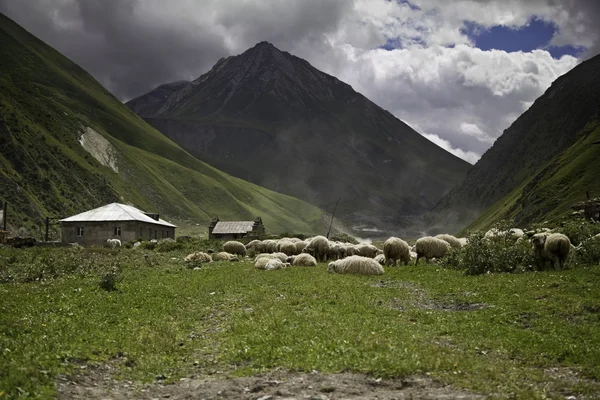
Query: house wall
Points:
[97, 233]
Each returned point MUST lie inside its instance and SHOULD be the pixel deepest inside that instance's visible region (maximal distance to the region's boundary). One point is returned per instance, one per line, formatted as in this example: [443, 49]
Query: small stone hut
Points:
[233, 230]
[114, 221]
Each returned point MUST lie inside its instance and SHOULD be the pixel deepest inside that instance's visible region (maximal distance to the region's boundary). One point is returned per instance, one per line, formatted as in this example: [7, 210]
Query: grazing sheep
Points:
[269, 246]
[380, 258]
[234, 247]
[300, 245]
[275, 264]
[318, 247]
[351, 250]
[553, 247]
[356, 265]
[113, 243]
[429, 247]
[223, 256]
[452, 241]
[463, 241]
[367, 250]
[280, 256]
[413, 255]
[199, 256]
[395, 249]
[336, 251]
[302, 260]
[287, 247]
[253, 246]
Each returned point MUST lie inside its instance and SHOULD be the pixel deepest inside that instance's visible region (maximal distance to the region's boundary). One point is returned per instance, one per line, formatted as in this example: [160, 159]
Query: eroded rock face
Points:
[99, 148]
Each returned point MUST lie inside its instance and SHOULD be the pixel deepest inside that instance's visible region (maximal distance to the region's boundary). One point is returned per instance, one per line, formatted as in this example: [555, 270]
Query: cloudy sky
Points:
[458, 71]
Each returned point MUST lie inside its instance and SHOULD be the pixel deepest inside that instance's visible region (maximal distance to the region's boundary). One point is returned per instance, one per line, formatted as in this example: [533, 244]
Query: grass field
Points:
[500, 334]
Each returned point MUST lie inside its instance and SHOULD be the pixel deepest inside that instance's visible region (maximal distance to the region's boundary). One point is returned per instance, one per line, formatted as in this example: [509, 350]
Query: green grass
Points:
[493, 333]
[549, 194]
[46, 100]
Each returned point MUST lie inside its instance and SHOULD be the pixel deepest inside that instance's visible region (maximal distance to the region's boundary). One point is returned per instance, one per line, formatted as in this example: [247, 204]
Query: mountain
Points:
[67, 145]
[273, 119]
[540, 165]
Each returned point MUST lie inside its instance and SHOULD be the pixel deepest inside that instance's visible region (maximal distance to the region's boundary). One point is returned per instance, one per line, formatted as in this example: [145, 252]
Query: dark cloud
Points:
[132, 46]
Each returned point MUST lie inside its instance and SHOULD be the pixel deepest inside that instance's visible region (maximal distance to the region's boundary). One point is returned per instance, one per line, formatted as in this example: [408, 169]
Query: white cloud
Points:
[468, 156]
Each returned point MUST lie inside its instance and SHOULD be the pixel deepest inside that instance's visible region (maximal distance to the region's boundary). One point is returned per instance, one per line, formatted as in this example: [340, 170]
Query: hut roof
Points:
[224, 227]
[116, 212]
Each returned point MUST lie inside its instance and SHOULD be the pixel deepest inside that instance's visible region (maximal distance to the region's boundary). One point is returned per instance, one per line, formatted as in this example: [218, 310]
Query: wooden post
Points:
[332, 215]
[47, 224]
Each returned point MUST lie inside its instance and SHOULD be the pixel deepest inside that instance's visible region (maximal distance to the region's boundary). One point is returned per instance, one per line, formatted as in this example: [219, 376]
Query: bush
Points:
[588, 253]
[578, 231]
[344, 237]
[165, 246]
[503, 254]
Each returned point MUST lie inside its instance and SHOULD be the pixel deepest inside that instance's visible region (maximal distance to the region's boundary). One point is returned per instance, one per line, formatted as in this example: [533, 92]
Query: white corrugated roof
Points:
[233, 227]
[115, 212]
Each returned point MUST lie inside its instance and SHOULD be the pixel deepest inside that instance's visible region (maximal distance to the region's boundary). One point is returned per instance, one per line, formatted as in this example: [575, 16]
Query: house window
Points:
[80, 231]
[117, 231]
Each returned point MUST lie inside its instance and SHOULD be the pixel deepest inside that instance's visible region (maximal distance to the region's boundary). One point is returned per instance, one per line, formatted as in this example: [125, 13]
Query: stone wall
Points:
[97, 233]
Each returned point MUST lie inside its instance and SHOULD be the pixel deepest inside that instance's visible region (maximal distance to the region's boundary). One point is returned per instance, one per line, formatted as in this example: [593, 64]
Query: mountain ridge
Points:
[255, 112]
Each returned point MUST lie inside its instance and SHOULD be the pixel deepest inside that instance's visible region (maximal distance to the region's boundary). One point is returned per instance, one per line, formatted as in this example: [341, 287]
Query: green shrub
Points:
[578, 231]
[344, 237]
[481, 256]
[165, 246]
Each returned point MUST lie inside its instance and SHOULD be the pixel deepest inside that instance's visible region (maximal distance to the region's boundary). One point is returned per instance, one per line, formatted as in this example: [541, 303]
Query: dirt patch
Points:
[421, 300]
[275, 385]
[99, 148]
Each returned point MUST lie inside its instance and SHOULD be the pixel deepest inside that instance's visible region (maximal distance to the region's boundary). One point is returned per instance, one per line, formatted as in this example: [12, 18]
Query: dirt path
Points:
[272, 386]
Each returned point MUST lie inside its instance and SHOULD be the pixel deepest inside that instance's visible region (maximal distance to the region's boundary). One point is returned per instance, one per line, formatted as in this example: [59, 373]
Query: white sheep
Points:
[318, 247]
[280, 256]
[223, 256]
[452, 240]
[300, 245]
[396, 249]
[552, 247]
[253, 246]
[463, 241]
[113, 243]
[302, 260]
[287, 247]
[275, 264]
[235, 247]
[367, 250]
[429, 247]
[380, 258]
[356, 265]
[198, 256]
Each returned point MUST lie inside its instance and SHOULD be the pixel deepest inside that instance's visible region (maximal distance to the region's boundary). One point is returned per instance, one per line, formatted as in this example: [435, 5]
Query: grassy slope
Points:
[45, 99]
[549, 194]
[233, 318]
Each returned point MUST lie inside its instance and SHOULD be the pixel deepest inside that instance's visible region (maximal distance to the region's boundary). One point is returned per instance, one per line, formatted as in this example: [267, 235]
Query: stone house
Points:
[233, 230]
[114, 221]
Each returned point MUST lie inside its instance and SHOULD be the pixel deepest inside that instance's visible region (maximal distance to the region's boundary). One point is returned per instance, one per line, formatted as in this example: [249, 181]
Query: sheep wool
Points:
[396, 249]
[287, 247]
[223, 256]
[551, 247]
[318, 247]
[303, 260]
[271, 256]
[275, 264]
[198, 256]
[380, 258]
[356, 265]
[452, 241]
[234, 247]
[429, 247]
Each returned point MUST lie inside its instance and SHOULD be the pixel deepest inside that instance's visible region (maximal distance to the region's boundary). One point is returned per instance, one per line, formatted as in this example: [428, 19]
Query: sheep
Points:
[280, 256]
[270, 264]
[234, 247]
[223, 256]
[395, 249]
[253, 246]
[199, 256]
[302, 260]
[429, 247]
[269, 246]
[452, 241]
[318, 247]
[287, 247]
[356, 265]
[367, 250]
[336, 251]
[553, 247]
[300, 245]
[351, 250]
[380, 258]
[113, 243]
[463, 241]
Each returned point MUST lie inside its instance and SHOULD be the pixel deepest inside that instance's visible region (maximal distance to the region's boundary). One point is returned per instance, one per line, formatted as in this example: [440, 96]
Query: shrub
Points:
[578, 231]
[169, 245]
[481, 256]
[344, 237]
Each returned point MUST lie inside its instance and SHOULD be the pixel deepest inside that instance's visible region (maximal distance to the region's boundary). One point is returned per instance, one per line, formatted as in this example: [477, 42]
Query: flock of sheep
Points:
[367, 259]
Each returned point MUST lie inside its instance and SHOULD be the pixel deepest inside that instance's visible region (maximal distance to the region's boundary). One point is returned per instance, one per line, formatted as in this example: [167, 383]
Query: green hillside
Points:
[550, 193]
[48, 105]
